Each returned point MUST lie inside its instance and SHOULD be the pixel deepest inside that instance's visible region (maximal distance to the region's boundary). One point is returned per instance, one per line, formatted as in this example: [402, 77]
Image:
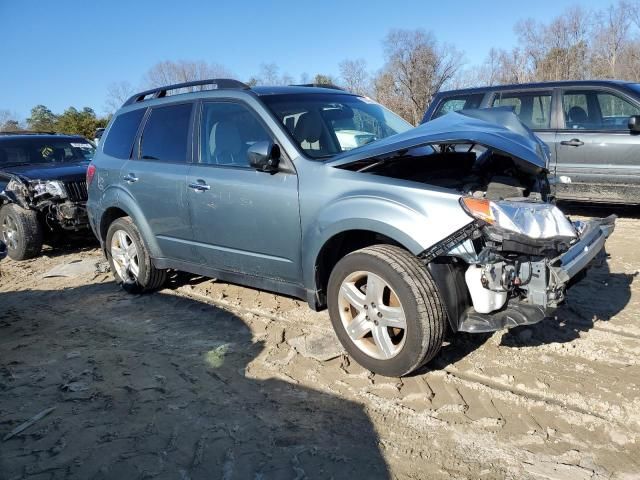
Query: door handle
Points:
[199, 187]
[574, 142]
[130, 178]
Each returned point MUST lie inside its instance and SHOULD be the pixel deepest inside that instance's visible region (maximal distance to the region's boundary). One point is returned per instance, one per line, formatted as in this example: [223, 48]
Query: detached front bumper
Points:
[548, 281]
[593, 235]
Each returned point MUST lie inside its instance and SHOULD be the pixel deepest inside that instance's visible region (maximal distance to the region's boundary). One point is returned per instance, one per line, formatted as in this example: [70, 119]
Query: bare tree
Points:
[387, 92]
[419, 67]
[270, 75]
[117, 94]
[171, 72]
[9, 121]
[611, 39]
[354, 76]
[557, 50]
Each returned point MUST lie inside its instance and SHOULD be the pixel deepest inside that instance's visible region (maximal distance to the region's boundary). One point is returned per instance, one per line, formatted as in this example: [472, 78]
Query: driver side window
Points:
[596, 110]
[227, 130]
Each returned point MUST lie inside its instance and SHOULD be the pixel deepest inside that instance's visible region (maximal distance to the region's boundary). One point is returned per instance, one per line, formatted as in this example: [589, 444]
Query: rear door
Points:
[594, 146]
[534, 109]
[244, 221]
[156, 176]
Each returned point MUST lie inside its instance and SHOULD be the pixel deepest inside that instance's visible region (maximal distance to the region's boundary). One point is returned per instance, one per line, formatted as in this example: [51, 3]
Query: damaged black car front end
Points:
[61, 204]
[43, 190]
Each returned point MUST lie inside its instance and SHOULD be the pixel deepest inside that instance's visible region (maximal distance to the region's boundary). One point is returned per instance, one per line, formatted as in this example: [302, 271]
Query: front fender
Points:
[414, 230]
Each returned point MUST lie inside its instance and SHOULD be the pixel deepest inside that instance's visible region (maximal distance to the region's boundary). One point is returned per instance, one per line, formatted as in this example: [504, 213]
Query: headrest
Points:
[309, 127]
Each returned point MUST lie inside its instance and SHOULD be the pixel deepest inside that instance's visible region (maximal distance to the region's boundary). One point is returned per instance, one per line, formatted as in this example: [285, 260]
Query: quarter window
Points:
[226, 133]
[533, 109]
[166, 134]
[596, 110]
[122, 133]
[455, 104]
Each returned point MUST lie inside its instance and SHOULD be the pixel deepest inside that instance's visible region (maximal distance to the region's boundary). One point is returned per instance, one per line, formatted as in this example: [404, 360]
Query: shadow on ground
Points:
[159, 386]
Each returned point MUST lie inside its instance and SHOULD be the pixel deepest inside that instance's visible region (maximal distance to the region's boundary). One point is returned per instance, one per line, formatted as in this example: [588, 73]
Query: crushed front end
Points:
[61, 204]
[519, 257]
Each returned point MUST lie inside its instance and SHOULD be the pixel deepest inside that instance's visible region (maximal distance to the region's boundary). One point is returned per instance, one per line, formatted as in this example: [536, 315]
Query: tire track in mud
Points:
[461, 375]
[468, 377]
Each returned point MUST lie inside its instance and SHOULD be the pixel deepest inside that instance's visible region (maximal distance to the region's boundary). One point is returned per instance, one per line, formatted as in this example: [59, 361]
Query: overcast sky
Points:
[65, 53]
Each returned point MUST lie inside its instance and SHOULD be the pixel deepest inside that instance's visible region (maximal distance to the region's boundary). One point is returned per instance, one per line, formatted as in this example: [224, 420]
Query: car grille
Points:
[76, 191]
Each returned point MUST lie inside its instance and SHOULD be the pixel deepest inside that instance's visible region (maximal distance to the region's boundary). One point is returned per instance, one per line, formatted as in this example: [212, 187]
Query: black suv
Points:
[592, 129]
[43, 190]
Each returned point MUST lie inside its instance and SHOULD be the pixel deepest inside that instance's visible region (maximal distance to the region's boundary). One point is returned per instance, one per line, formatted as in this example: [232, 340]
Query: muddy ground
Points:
[209, 380]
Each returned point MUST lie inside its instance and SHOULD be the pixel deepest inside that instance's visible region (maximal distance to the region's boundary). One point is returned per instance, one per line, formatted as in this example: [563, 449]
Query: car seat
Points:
[225, 144]
[577, 116]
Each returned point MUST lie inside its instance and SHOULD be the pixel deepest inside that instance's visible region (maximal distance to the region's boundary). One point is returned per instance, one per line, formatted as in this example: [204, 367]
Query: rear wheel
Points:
[129, 258]
[386, 309]
[21, 232]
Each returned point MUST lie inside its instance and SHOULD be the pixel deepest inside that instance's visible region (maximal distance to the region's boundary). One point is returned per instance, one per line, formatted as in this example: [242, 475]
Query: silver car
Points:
[402, 233]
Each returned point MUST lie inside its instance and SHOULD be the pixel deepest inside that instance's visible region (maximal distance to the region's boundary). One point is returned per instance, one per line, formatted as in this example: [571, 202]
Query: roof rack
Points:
[319, 85]
[160, 92]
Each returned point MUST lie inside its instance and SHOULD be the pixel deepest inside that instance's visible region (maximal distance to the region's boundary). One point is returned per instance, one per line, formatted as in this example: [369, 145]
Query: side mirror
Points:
[264, 156]
[634, 123]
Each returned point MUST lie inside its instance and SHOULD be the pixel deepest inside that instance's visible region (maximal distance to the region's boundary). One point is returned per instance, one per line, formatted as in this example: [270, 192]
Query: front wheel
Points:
[386, 310]
[21, 231]
[129, 258]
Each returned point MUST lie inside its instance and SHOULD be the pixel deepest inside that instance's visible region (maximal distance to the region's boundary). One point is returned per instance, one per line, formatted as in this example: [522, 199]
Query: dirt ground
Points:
[209, 380]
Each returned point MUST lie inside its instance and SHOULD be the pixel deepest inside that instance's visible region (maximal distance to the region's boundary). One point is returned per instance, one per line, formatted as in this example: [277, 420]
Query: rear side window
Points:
[166, 134]
[122, 134]
[453, 104]
[532, 108]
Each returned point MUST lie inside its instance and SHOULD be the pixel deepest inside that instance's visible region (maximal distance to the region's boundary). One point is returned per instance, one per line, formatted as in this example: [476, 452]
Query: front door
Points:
[594, 148]
[156, 177]
[244, 221]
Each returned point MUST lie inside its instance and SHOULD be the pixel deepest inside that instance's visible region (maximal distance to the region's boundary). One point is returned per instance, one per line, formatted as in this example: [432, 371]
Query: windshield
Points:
[26, 150]
[635, 86]
[324, 125]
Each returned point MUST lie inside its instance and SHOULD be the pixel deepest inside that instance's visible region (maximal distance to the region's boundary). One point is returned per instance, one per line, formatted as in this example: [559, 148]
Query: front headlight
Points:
[55, 188]
[535, 220]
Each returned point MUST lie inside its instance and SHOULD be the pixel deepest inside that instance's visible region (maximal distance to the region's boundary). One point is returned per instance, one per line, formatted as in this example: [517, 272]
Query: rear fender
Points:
[120, 198]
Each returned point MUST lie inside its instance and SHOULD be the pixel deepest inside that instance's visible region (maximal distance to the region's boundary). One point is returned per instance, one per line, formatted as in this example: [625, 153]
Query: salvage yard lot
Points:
[210, 380]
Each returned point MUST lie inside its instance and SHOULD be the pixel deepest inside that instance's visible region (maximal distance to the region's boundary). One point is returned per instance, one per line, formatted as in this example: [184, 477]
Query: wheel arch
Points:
[341, 243]
[121, 204]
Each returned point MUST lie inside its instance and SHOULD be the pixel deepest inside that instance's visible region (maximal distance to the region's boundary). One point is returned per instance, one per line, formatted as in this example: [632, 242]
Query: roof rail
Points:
[160, 92]
[319, 85]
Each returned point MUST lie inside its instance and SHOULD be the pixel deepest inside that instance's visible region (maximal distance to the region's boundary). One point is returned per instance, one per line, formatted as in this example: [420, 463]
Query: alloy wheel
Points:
[125, 256]
[372, 315]
[10, 232]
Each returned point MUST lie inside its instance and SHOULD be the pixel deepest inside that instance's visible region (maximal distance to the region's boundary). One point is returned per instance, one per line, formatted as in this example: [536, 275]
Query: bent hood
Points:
[50, 171]
[495, 128]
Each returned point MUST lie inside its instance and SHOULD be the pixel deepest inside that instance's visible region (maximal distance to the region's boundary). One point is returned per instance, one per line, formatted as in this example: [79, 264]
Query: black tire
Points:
[418, 295]
[27, 239]
[149, 278]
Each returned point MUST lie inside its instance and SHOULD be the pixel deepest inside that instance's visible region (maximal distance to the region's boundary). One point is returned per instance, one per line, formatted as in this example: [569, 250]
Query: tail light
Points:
[91, 171]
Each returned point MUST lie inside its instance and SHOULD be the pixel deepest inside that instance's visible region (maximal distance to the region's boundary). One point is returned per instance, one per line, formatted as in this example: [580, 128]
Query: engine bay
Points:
[469, 169]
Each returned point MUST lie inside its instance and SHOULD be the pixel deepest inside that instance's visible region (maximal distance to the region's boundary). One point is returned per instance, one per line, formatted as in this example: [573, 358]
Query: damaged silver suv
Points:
[403, 233]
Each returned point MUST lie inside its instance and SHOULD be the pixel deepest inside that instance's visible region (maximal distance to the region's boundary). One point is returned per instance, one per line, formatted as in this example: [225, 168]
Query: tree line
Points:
[578, 44]
[72, 121]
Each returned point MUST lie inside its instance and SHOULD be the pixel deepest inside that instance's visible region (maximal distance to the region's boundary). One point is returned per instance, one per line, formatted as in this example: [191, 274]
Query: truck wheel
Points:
[21, 232]
[129, 258]
[386, 310]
